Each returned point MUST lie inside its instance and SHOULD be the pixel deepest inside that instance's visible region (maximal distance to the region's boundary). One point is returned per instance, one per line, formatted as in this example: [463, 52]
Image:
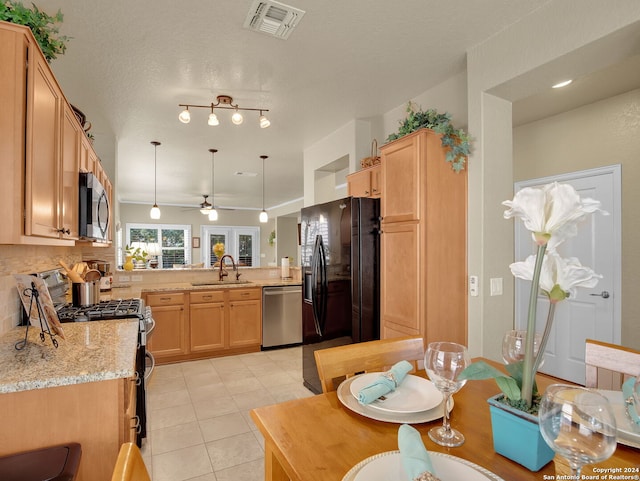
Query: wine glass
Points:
[444, 361]
[578, 424]
[514, 345]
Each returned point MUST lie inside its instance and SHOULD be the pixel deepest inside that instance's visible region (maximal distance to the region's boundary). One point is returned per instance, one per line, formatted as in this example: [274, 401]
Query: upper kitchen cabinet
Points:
[42, 147]
[423, 242]
[365, 182]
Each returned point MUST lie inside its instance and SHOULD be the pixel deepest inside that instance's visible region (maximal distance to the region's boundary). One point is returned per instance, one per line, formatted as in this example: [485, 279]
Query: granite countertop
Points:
[91, 351]
[134, 290]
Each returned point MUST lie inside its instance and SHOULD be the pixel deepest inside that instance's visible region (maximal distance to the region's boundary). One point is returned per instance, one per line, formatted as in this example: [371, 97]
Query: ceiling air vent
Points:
[273, 18]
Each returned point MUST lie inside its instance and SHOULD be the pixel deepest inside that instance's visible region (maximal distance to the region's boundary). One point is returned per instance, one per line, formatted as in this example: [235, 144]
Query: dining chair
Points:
[130, 465]
[608, 365]
[338, 363]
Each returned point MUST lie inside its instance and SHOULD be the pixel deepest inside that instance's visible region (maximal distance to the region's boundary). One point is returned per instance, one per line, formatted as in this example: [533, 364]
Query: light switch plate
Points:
[496, 286]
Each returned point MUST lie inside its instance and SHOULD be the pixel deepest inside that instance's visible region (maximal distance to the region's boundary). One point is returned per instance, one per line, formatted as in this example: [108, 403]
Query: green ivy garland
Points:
[456, 140]
[43, 26]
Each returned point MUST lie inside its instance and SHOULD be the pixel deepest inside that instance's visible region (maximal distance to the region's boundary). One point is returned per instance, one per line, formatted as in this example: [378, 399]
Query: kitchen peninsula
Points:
[82, 391]
[198, 316]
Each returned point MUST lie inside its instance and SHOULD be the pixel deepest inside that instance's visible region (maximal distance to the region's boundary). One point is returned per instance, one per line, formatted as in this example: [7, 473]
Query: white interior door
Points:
[593, 313]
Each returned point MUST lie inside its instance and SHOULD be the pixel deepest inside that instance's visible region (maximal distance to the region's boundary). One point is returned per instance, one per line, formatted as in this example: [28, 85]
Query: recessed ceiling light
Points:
[561, 84]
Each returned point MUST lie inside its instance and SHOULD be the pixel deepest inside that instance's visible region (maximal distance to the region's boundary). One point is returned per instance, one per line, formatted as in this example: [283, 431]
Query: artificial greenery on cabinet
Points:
[44, 26]
[456, 141]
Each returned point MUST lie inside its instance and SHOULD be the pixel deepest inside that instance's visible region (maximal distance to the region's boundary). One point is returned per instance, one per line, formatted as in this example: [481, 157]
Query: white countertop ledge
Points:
[92, 351]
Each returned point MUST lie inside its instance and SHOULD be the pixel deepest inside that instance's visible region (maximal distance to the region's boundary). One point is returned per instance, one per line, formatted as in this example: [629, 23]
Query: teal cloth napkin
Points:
[627, 394]
[415, 457]
[383, 385]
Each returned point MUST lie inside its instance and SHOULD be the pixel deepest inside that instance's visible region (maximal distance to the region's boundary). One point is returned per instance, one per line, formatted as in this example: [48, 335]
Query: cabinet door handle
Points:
[64, 231]
[207, 297]
[366, 192]
[165, 298]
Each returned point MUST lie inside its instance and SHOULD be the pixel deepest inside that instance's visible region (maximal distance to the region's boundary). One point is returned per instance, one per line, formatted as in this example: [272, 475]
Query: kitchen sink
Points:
[220, 283]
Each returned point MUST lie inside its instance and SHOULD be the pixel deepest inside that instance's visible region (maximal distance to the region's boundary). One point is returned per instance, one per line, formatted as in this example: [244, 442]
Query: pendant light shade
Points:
[154, 213]
[213, 213]
[264, 217]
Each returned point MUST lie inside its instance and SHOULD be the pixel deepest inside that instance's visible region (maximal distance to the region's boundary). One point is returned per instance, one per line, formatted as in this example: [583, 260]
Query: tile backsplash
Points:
[17, 259]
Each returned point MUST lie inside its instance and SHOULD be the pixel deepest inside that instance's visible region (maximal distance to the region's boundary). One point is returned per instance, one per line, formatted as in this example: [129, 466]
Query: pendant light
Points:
[213, 213]
[264, 217]
[155, 210]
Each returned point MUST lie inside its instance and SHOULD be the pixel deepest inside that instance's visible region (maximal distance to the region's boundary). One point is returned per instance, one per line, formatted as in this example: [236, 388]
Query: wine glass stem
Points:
[575, 470]
[445, 418]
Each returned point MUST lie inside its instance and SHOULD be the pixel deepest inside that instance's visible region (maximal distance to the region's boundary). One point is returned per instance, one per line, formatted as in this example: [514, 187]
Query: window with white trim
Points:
[243, 243]
[174, 241]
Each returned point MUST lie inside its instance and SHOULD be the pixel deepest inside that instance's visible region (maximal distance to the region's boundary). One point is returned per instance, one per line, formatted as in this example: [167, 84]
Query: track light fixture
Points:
[223, 102]
[154, 213]
[264, 217]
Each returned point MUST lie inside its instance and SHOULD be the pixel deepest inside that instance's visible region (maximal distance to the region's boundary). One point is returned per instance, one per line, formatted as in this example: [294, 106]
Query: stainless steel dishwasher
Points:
[281, 316]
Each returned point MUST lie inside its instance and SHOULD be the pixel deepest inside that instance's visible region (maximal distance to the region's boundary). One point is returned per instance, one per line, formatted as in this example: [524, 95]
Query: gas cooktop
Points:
[114, 309]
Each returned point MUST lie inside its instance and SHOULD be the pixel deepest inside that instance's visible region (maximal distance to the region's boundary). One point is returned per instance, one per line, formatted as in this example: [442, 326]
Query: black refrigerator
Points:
[340, 254]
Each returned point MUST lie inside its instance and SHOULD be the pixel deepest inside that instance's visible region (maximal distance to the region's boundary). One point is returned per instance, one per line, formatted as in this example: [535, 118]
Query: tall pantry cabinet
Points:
[423, 241]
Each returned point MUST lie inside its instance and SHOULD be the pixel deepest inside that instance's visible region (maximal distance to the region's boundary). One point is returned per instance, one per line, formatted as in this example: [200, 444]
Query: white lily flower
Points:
[550, 211]
[559, 277]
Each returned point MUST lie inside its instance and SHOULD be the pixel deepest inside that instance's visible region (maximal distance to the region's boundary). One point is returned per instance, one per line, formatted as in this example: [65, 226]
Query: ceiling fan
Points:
[206, 206]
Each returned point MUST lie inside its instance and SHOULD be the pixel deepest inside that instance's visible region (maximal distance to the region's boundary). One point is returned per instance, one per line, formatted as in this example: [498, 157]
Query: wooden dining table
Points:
[318, 438]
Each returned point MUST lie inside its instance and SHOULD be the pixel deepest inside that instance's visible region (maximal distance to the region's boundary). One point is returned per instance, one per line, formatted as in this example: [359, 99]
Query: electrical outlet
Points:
[124, 278]
[473, 286]
[136, 278]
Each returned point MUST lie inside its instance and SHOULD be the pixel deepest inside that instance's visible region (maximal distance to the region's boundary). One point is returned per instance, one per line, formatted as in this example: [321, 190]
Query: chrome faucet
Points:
[224, 273]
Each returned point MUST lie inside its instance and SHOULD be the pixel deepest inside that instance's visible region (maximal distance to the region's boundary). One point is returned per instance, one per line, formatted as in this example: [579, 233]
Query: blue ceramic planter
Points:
[516, 436]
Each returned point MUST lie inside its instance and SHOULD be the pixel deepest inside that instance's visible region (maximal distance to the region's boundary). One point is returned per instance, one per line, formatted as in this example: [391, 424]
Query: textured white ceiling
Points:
[130, 63]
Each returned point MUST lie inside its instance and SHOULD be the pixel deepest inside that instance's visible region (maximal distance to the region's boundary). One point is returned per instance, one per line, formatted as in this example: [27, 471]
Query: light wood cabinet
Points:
[365, 182]
[205, 323]
[423, 244]
[207, 320]
[98, 415]
[42, 148]
[245, 318]
[170, 336]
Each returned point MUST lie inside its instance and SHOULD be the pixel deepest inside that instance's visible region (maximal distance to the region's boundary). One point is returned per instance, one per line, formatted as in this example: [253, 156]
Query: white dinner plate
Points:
[413, 395]
[388, 466]
[628, 431]
[350, 402]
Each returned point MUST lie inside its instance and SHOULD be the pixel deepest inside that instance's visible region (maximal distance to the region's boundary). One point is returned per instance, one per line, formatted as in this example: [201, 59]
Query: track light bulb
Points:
[154, 213]
[213, 214]
[237, 118]
[264, 217]
[185, 116]
[264, 122]
[213, 119]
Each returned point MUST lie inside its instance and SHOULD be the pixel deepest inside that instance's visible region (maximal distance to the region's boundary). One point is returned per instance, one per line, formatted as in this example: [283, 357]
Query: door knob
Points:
[603, 294]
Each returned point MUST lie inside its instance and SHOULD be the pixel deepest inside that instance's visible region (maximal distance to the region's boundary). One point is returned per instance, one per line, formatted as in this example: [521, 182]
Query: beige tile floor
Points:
[198, 420]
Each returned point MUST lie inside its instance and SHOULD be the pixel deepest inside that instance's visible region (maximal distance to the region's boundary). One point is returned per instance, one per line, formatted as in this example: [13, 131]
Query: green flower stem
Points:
[528, 371]
[545, 337]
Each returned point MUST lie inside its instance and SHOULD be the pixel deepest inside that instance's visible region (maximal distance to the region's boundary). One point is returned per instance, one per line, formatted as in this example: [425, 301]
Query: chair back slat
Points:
[337, 363]
[130, 465]
[608, 365]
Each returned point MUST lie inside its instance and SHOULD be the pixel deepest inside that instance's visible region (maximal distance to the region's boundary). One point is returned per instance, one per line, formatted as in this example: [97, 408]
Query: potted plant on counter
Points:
[551, 213]
[138, 255]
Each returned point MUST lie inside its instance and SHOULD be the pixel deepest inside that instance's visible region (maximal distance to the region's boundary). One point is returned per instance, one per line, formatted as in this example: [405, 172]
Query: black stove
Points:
[113, 309]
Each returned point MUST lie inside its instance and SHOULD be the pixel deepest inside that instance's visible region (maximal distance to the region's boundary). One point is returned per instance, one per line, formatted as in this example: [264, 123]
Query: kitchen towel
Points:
[415, 457]
[630, 400]
[384, 384]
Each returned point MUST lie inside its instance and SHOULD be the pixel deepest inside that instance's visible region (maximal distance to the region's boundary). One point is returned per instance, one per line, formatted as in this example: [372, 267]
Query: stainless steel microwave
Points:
[93, 209]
